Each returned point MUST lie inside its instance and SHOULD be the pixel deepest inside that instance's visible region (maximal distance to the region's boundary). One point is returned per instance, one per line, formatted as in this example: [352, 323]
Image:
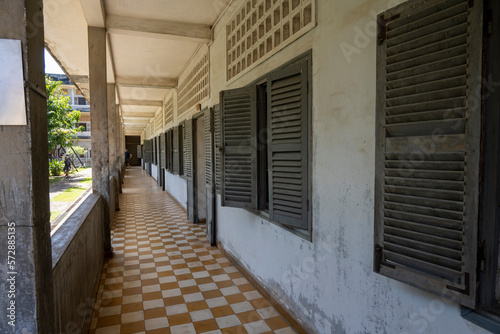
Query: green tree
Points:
[62, 121]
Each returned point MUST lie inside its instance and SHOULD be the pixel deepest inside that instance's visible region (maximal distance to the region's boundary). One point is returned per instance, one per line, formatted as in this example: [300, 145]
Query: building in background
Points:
[77, 102]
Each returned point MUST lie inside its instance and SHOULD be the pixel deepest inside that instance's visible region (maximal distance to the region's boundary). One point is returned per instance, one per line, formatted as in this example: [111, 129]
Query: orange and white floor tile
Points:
[165, 278]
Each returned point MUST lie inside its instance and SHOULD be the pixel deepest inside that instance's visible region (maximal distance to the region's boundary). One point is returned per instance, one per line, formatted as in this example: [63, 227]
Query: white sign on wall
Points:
[12, 101]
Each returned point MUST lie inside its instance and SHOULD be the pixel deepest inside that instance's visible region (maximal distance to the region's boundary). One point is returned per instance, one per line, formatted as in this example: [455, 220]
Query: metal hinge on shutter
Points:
[382, 23]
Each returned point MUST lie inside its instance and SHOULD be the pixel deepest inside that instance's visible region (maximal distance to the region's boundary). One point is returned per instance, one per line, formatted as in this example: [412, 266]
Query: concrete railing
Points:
[77, 258]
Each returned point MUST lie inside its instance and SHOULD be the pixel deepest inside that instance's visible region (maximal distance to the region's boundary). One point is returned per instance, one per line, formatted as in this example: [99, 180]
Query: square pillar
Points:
[112, 130]
[99, 115]
[27, 301]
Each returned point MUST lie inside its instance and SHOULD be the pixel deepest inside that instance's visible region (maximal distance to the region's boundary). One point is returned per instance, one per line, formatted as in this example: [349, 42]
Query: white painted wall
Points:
[154, 171]
[329, 284]
[177, 187]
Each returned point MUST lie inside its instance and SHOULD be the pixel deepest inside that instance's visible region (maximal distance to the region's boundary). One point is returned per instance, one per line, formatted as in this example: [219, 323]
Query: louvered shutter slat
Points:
[154, 150]
[188, 149]
[217, 142]
[288, 146]
[163, 155]
[208, 124]
[427, 146]
[239, 142]
[148, 151]
[168, 150]
[175, 153]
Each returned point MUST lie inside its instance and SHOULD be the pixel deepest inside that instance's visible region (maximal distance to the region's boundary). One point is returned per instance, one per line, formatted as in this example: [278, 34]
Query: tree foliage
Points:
[62, 121]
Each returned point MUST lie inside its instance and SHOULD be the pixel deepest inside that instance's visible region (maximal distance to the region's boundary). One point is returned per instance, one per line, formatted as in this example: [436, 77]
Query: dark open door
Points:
[209, 174]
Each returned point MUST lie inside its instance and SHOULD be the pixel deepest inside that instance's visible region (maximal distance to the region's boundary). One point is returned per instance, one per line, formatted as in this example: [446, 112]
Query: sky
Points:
[51, 65]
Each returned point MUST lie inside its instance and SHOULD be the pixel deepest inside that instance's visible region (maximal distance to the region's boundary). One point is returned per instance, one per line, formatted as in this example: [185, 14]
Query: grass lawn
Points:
[73, 171]
[54, 215]
[87, 180]
[54, 179]
[69, 195]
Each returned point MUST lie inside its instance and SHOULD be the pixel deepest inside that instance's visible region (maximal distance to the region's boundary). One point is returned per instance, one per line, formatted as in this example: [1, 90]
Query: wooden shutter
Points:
[139, 151]
[239, 141]
[208, 125]
[188, 149]
[154, 151]
[163, 146]
[428, 145]
[209, 174]
[148, 151]
[217, 148]
[168, 150]
[175, 150]
[288, 154]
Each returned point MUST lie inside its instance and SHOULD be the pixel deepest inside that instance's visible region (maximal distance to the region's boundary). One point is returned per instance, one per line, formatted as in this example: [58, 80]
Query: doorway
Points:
[131, 143]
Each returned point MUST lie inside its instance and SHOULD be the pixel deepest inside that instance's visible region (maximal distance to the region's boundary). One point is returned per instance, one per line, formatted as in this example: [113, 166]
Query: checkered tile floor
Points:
[166, 278]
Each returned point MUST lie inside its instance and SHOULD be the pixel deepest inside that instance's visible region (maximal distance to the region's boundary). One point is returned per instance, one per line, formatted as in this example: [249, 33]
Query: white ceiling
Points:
[149, 44]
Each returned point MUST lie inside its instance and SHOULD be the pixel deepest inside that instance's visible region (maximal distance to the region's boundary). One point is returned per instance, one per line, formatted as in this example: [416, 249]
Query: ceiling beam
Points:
[135, 120]
[146, 82]
[94, 12]
[142, 103]
[148, 115]
[131, 25]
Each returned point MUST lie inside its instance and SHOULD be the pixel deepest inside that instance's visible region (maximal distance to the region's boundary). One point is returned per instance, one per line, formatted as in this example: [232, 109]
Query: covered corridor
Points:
[164, 277]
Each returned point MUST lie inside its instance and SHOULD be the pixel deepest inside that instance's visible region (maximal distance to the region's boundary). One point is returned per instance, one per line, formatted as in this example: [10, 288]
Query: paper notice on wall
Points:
[12, 101]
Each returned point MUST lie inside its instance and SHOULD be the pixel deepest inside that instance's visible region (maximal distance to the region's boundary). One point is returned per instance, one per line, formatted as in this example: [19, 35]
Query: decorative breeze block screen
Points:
[169, 111]
[158, 121]
[194, 87]
[262, 27]
[151, 127]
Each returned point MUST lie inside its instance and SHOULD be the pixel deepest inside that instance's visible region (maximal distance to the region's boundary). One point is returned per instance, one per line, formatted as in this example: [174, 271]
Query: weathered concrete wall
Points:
[329, 283]
[77, 256]
[177, 187]
[24, 184]
[113, 197]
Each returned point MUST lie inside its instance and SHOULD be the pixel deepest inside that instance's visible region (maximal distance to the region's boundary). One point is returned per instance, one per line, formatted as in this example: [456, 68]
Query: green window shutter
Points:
[217, 149]
[188, 149]
[163, 146]
[239, 142]
[157, 140]
[139, 151]
[148, 151]
[208, 125]
[428, 145]
[154, 151]
[288, 154]
[175, 150]
[168, 143]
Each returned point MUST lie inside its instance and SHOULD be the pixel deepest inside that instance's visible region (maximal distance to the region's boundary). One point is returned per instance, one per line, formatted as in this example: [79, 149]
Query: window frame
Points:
[263, 213]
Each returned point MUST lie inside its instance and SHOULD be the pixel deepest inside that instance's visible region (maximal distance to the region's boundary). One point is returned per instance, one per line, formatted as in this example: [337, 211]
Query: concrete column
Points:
[99, 116]
[112, 130]
[120, 153]
[26, 300]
